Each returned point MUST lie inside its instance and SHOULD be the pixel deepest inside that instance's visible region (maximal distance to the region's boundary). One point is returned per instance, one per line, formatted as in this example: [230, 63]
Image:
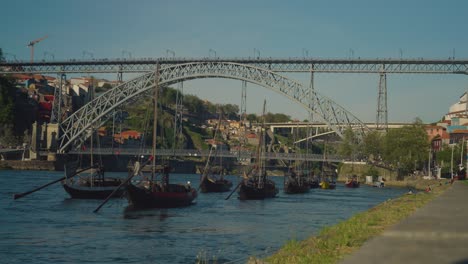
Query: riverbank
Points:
[335, 242]
[27, 165]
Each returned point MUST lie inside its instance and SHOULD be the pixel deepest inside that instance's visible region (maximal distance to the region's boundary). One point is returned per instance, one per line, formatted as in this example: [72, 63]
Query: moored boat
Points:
[89, 183]
[294, 183]
[212, 177]
[148, 192]
[151, 194]
[253, 190]
[325, 184]
[256, 185]
[215, 185]
[352, 182]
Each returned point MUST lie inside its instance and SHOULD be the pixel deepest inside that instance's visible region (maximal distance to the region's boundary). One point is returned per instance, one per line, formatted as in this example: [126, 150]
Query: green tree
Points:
[231, 111]
[7, 95]
[444, 157]
[252, 118]
[372, 144]
[276, 118]
[349, 145]
[406, 148]
[193, 104]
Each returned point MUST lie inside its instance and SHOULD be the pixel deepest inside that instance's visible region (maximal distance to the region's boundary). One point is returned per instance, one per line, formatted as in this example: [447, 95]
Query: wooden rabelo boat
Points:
[209, 184]
[90, 183]
[352, 182]
[212, 176]
[150, 192]
[145, 192]
[295, 182]
[256, 185]
[314, 183]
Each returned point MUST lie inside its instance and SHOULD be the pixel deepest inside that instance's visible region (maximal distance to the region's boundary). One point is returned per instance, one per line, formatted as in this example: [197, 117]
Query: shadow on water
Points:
[133, 213]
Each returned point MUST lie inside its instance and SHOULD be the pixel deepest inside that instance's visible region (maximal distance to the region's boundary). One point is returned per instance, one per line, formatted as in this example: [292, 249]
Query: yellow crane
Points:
[32, 43]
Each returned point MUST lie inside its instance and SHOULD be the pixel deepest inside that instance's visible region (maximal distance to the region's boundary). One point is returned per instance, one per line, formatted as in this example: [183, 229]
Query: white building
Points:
[459, 109]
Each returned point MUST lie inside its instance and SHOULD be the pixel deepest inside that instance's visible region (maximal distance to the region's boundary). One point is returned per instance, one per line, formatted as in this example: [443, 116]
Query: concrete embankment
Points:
[27, 165]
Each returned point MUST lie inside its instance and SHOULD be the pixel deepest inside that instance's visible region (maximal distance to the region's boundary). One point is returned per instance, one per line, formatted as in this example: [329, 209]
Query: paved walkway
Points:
[436, 233]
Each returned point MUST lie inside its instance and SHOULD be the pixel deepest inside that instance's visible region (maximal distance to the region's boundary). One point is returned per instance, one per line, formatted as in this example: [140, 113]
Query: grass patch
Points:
[333, 243]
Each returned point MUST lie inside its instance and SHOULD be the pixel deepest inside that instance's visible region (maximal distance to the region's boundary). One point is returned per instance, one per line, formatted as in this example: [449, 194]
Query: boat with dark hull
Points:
[99, 190]
[352, 182]
[151, 194]
[89, 183]
[212, 176]
[314, 184]
[155, 190]
[294, 183]
[256, 185]
[215, 185]
[252, 190]
[148, 192]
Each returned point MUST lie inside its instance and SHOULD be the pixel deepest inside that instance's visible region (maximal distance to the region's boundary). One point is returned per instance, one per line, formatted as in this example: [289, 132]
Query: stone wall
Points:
[27, 165]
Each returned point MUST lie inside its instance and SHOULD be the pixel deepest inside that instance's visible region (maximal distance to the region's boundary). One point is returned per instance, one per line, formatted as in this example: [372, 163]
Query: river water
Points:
[49, 227]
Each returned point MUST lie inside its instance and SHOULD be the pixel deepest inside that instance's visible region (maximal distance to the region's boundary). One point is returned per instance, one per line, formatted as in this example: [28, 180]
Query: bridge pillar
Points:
[119, 76]
[311, 94]
[44, 137]
[381, 122]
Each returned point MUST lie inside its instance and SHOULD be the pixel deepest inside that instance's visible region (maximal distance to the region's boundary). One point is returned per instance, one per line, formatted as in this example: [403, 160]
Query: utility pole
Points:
[32, 43]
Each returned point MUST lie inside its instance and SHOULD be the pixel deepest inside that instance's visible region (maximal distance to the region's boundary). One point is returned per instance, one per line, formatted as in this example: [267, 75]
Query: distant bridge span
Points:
[243, 155]
[76, 128]
[293, 125]
[364, 65]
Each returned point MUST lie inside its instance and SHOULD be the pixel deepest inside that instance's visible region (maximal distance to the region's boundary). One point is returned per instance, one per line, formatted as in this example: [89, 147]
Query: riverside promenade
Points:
[435, 233]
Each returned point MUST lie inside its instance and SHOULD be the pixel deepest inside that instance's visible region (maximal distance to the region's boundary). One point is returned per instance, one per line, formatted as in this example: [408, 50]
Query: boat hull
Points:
[176, 196]
[314, 185]
[97, 191]
[327, 185]
[292, 187]
[251, 192]
[209, 185]
[352, 184]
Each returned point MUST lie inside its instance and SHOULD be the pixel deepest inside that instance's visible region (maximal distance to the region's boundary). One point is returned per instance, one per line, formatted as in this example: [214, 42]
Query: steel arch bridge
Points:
[76, 128]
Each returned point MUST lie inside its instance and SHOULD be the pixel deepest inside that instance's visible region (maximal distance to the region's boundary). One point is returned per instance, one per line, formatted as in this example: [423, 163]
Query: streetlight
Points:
[48, 53]
[305, 53]
[91, 55]
[126, 52]
[170, 51]
[451, 161]
[351, 52]
[256, 51]
[210, 51]
[10, 54]
[401, 53]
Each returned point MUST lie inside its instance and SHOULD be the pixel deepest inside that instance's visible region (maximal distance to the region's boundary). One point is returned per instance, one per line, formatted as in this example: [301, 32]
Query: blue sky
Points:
[326, 29]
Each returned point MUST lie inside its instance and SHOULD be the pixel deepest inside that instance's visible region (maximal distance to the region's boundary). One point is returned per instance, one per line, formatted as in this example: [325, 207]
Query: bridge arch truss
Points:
[76, 128]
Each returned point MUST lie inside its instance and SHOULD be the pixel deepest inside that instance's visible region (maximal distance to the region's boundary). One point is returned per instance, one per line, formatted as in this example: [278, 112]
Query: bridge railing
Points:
[205, 153]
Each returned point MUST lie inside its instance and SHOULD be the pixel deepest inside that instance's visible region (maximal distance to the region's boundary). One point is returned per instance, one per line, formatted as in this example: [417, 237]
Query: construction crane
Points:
[32, 43]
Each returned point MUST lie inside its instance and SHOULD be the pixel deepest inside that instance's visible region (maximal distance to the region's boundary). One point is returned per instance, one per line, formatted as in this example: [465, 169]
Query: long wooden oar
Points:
[135, 173]
[229, 196]
[114, 191]
[20, 195]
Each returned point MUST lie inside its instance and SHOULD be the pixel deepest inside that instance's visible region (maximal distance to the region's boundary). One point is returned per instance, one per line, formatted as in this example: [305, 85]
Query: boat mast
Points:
[91, 87]
[155, 118]
[261, 150]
